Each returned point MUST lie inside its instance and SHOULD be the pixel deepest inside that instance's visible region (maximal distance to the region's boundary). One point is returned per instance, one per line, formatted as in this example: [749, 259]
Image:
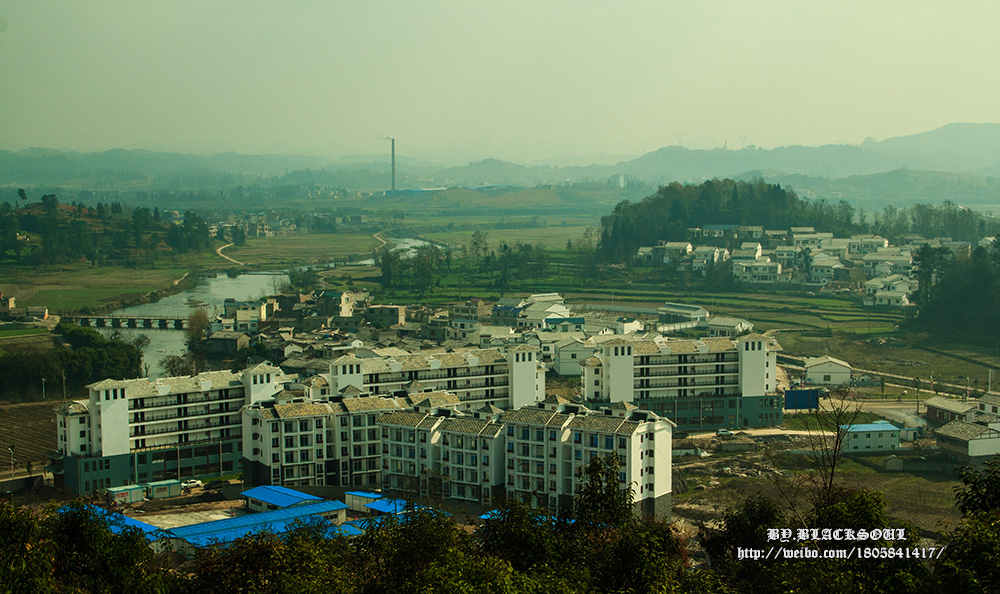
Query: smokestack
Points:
[393, 164]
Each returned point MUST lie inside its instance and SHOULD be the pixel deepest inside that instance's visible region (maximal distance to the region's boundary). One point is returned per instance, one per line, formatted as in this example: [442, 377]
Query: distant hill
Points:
[900, 188]
[955, 162]
[956, 147]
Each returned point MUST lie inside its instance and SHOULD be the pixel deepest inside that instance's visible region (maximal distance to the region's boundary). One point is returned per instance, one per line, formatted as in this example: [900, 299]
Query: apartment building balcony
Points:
[177, 400]
[142, 431]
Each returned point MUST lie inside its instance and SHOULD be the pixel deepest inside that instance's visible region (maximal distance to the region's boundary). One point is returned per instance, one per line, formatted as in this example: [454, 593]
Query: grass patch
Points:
[22, 332]
[71, 288]
[291, 250]
[550, 237]
[809, 422]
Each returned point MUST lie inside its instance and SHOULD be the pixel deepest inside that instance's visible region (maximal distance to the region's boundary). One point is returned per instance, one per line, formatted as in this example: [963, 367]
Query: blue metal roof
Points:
[369, 494]
[388, 506]
[229, 529]
[118, 523]
[870, 427]
[280, 496]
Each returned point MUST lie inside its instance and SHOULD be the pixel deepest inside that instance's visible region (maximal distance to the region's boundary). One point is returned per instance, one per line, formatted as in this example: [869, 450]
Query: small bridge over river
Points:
[131, 321]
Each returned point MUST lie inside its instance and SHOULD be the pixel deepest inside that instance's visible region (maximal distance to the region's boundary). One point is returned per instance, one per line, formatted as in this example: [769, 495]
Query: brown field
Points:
[31, 429]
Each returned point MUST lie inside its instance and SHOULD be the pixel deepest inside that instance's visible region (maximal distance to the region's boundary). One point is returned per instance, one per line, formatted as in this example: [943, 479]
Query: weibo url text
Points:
[845, 553]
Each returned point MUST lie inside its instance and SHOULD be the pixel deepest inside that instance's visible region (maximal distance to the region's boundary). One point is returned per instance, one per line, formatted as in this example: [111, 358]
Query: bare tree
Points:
[827, 443]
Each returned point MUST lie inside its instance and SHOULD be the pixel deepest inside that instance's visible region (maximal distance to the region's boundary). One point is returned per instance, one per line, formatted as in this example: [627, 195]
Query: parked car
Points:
[724, 433]
[190, 484]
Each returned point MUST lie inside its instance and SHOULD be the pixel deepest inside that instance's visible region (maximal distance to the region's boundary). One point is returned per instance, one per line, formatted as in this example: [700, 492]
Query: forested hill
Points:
[671, 211]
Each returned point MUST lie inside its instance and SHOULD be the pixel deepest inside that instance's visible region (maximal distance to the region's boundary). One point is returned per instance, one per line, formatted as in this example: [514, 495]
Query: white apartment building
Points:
[142, 430]
[477, 376]
[705, 383]
[443, 453]
[548, 444]
[294, 440]
[534, 453]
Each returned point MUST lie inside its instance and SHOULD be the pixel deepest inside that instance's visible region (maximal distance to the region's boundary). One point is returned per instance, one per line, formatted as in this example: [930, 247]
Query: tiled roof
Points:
[467, 425]
[433, 399]
[598, 422]
[372, 403]
[402, 418]
[529, 415]
[144, 387]
[954, 406]
[73, 408]
[300, 409]
[963, 431]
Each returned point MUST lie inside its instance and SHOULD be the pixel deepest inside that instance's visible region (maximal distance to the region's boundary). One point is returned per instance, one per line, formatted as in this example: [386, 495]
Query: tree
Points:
[239, 236]
[828, 443]
[478, 247]
[979, 490]
[197, 325]
[602, 500]
[522, 536]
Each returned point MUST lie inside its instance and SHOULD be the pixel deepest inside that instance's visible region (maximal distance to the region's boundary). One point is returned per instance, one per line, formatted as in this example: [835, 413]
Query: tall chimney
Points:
[393, 164]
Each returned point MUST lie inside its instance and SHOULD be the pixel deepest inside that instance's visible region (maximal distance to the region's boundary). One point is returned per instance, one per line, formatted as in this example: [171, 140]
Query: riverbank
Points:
[79, 288]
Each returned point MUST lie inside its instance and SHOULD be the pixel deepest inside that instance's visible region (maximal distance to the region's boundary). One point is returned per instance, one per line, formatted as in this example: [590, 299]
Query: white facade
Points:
[477, 376]
[455, 456]
[137, 414]
[868, 438]
[827, 371]
[548, 445]
[625, 371]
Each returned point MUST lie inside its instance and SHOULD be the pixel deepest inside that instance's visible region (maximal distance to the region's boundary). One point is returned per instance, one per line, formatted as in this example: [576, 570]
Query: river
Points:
[211, 293]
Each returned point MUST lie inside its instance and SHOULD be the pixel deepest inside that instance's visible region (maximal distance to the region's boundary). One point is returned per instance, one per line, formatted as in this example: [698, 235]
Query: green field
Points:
[550, 237]
[69, 288]
[292, 250]
[22, 332]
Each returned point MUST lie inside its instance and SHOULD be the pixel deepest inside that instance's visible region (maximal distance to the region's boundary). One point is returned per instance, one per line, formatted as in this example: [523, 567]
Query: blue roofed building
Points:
[269, 498]
[221, 532]
[387, 505]
[866, 438]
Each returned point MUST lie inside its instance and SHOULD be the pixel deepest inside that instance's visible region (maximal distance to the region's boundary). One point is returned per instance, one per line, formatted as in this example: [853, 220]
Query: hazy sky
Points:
[519, 80]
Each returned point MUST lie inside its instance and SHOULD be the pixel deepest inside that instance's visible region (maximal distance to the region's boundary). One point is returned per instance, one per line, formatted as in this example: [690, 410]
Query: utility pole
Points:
[11, 449]
[43, 388]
